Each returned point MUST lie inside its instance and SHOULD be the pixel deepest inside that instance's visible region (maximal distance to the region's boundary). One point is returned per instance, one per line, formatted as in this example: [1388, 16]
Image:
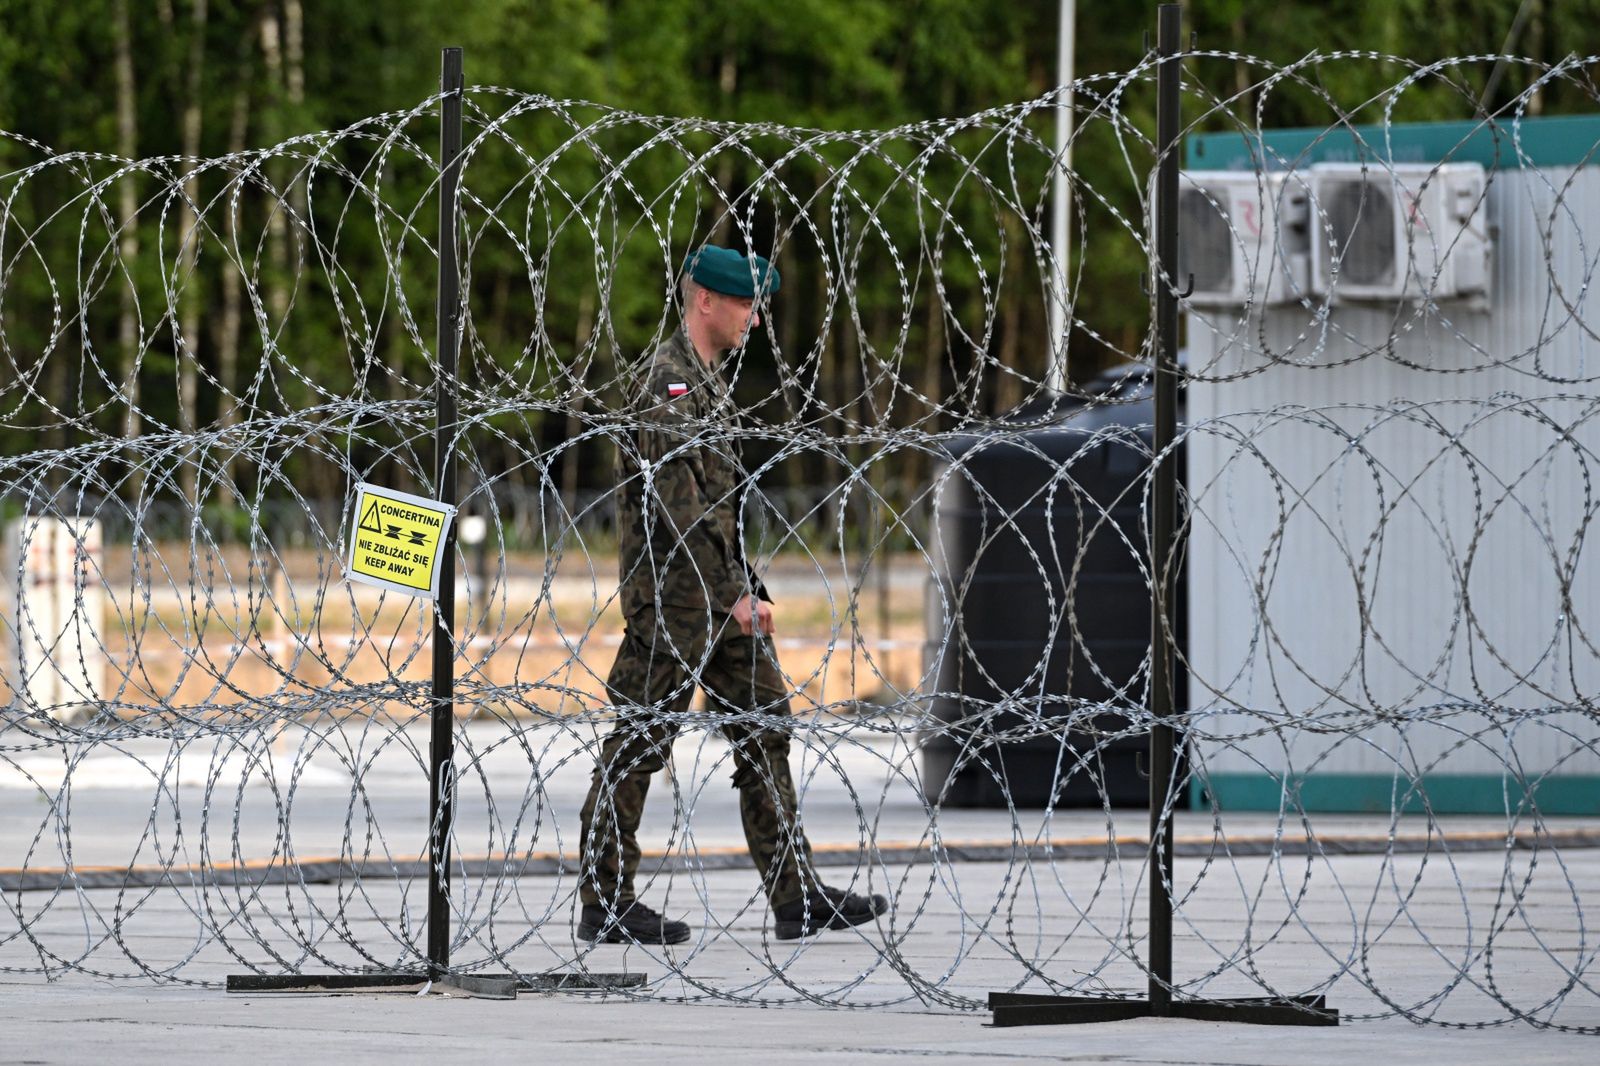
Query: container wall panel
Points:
[1392, 516]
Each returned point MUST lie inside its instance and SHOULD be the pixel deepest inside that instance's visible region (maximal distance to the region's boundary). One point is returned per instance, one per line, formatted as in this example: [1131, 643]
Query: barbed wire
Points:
[213, 753]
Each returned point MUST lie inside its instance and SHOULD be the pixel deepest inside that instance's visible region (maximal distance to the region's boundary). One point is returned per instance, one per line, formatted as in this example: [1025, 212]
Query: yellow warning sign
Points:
[397, 540]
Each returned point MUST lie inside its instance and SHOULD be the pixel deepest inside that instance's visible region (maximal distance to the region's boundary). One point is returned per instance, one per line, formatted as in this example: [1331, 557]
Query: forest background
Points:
[135, 79]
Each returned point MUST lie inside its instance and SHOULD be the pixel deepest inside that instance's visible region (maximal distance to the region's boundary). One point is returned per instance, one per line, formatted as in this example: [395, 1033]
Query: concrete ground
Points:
[82, 1021]
[1462, 936]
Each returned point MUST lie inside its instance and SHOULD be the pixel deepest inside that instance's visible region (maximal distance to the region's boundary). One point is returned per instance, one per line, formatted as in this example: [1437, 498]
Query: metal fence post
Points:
[1164, 506]
[441, 805]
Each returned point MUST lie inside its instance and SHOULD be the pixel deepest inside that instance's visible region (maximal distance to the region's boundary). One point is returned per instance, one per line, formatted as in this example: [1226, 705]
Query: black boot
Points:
[837, 909]
[633, 923]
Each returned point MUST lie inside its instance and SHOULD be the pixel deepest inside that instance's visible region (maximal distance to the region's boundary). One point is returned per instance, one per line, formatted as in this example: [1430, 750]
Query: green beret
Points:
[726, 271]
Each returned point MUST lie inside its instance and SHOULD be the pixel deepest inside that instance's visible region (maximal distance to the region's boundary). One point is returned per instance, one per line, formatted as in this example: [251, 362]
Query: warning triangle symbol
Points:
[369, 521]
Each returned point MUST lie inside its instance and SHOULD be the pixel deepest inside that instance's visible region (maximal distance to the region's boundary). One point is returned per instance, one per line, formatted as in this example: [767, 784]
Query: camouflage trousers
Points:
[665, 655]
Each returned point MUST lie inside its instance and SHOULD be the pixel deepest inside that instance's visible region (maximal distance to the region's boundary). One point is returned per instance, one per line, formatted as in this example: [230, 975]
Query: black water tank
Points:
[1006, 552]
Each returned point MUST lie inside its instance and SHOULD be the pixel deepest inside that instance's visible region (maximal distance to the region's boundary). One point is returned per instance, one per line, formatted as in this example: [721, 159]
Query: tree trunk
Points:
[232, 305]
[187, 347]
[727, 82]
[295, 51]
[65, 388]
[1536, 49]
[932, 382]
[933, 368]
[849, 409]
[275, 279]
[295, 81]
[1245, 105]
[128, 238]
[60, 436]
[396, 344]
[570, 460]
[787, 357]
[1008, 386]
[821, 400]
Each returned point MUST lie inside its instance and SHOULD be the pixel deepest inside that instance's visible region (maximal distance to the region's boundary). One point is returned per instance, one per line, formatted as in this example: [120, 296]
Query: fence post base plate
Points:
[479, 986]
[1020, 1008]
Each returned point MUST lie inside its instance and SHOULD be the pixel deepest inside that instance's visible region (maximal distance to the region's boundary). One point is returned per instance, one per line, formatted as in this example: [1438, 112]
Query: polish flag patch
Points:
[676, 389]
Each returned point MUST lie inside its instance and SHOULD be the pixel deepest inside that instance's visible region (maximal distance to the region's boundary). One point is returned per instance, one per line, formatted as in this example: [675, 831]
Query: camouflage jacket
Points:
[680, 483]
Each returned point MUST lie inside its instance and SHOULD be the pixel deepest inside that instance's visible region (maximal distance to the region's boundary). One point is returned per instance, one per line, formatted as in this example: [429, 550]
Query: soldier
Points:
[696, 615]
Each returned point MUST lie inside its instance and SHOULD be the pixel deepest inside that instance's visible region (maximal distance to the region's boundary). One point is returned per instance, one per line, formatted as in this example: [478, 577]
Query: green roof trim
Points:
[1561, 141]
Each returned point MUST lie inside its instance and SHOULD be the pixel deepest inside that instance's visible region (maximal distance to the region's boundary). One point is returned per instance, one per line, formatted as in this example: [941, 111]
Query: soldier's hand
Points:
[753, 616]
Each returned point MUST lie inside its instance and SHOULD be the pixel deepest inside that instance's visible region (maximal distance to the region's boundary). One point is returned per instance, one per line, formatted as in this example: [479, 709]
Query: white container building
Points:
[1394, 555]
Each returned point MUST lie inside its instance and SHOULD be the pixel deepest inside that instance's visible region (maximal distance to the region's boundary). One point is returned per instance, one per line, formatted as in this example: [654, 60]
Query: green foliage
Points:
[547, 331]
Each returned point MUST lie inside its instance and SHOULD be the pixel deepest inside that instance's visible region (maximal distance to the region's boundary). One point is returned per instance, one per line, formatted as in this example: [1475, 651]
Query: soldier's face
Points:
[735, 317]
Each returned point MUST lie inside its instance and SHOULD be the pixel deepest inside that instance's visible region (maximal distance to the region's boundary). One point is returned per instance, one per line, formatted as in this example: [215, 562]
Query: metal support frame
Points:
[441, 748]
[478, 986]
[1017, 1008]
[1014, 1008]
[441, 718]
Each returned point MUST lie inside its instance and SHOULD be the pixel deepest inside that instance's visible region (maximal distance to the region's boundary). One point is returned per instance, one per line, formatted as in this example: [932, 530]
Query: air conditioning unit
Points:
[1244, 236]
[1408, 232]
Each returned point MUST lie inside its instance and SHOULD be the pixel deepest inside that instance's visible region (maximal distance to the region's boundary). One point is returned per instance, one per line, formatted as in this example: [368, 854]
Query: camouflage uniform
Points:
[683, 569]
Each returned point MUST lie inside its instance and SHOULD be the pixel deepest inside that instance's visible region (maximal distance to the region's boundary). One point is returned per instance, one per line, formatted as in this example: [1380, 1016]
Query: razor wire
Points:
[213, 753]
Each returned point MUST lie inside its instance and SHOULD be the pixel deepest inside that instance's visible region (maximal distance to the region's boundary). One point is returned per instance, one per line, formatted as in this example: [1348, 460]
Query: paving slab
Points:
[84, 1021]
[1459, 930]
